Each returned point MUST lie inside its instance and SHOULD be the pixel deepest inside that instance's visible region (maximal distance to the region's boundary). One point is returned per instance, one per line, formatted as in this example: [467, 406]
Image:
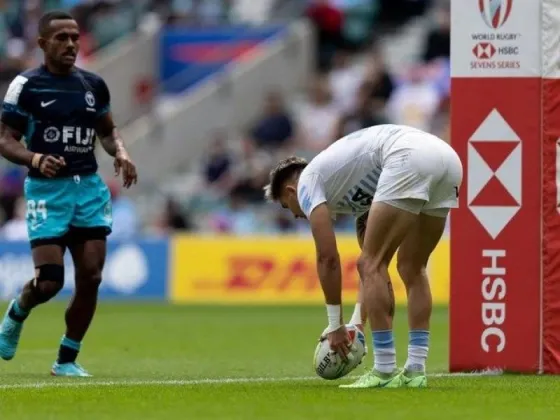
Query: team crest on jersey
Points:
[51, 135]
[90, 99]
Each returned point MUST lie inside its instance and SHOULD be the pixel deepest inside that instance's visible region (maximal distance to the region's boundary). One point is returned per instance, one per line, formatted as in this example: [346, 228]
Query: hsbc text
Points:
[493, 290]
[508, 50]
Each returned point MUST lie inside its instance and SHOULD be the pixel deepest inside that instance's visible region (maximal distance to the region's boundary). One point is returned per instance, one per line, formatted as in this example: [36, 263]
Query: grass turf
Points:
[153, 361]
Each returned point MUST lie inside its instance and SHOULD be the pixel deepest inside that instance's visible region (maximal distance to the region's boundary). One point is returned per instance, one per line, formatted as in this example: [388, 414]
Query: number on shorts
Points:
[362, 197]
[456, 192]
[36, 209]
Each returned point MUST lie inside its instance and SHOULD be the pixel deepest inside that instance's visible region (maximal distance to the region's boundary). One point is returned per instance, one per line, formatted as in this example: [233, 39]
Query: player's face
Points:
[62, 45]
[289, 200]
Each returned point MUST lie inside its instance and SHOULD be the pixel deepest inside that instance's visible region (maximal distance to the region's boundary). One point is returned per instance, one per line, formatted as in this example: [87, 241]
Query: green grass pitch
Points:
[155, 361]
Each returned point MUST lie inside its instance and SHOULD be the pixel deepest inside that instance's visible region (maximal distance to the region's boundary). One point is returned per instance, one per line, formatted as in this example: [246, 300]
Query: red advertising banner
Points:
[495, 234]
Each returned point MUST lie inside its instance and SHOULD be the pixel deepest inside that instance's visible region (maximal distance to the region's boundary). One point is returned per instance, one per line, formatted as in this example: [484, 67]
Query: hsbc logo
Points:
[494, 174]
[495, 13]
[484, 50]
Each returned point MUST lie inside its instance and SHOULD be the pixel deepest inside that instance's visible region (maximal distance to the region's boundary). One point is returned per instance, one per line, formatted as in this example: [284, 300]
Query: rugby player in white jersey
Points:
[400, 183]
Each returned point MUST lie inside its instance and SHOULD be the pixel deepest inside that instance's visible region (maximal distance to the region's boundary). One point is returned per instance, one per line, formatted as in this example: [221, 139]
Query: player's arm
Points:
[13, 123]
[109, 135]
[110, 138]
[113, 144]
[313, 203]
[13, 150]
[328, 260]
[11, 147]
[330, 275]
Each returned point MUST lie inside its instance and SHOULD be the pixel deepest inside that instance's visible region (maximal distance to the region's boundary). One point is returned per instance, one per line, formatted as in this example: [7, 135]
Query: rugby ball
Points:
[329, 365]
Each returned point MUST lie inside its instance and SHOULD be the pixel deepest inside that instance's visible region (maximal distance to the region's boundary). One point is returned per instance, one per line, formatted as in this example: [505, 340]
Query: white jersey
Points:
[380, 163]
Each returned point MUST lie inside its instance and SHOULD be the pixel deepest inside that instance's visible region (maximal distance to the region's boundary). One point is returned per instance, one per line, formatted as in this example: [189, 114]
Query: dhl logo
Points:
[281, 270]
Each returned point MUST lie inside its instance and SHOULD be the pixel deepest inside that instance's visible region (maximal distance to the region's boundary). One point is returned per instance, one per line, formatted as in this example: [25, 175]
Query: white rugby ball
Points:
[329, 365]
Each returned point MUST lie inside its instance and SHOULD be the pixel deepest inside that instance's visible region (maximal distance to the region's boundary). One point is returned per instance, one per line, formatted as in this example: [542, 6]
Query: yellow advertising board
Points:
[275, 270]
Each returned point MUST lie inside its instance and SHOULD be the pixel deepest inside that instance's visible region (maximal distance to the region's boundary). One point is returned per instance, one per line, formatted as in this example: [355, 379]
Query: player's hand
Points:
[124, 164]
[340, 343]
[50, 165]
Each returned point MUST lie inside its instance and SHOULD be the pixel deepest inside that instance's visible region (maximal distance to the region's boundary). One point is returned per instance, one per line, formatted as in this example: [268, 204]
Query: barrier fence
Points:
[216, 270]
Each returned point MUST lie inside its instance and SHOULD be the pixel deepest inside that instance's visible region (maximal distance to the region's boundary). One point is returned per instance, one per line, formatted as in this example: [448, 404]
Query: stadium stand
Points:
[367, 71]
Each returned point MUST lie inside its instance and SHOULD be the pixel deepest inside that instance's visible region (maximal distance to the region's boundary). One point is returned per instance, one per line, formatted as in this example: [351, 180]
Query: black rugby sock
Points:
[68, 351]
[16, 313]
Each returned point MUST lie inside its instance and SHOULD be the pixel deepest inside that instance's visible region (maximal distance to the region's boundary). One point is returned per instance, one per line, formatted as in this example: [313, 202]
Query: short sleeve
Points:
[311, 192]
[14, 113]
[104, 98]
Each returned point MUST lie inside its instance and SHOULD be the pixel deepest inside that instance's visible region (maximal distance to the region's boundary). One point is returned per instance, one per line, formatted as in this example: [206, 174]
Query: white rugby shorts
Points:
[422, 174]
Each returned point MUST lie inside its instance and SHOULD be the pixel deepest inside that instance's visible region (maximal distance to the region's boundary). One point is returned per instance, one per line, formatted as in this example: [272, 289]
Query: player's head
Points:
[59, 38]
[282, 187]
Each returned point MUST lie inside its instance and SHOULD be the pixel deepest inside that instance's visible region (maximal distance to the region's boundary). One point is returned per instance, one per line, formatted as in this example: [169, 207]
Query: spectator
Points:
[251, 172]
[284, 222]
[16, 229]
[415, 101]
[238, 218]
[367, 112]
[274, 129]
[359, 18]
[344, 81]
[217, 168]
[328, 21]
[318, 119]
[110, 21]
[174, 219]
[378, 74]
[398, 12]
[438, 41]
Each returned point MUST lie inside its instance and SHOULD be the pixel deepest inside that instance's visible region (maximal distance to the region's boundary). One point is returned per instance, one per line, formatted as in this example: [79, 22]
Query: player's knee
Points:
[410, 271]
[369, 267]
[48, 282]
[88, 279]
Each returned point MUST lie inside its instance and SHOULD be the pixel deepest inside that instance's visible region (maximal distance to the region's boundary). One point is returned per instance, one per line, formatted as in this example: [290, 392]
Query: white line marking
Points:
[84, 382]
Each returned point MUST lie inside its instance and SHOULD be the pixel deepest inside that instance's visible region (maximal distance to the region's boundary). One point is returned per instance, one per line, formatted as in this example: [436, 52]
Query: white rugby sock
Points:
[418, 347]
[417, 357]
[385, 360]
[384, 353]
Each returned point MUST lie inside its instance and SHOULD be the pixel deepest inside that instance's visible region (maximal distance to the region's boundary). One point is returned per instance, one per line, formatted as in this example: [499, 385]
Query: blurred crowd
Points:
[102, 22]
[352, 88]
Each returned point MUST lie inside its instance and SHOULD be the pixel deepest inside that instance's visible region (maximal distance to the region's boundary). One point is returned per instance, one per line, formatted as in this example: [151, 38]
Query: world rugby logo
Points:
[495, 13]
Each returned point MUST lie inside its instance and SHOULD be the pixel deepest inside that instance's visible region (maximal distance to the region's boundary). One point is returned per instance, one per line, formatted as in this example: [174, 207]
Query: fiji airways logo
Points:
[495, 13]
[494, 174]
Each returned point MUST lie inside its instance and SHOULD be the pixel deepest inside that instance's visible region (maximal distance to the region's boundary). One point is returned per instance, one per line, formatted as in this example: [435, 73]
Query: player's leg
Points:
[412, 260]
[90, 225]
[409, 174]
[48, 281]
[413, 257]
[88, 248]
[359, 317]
[48, 213]
[387, 226]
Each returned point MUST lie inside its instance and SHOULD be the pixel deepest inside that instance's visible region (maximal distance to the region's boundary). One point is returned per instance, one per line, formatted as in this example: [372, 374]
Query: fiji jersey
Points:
[345, 175]
[57, 115]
